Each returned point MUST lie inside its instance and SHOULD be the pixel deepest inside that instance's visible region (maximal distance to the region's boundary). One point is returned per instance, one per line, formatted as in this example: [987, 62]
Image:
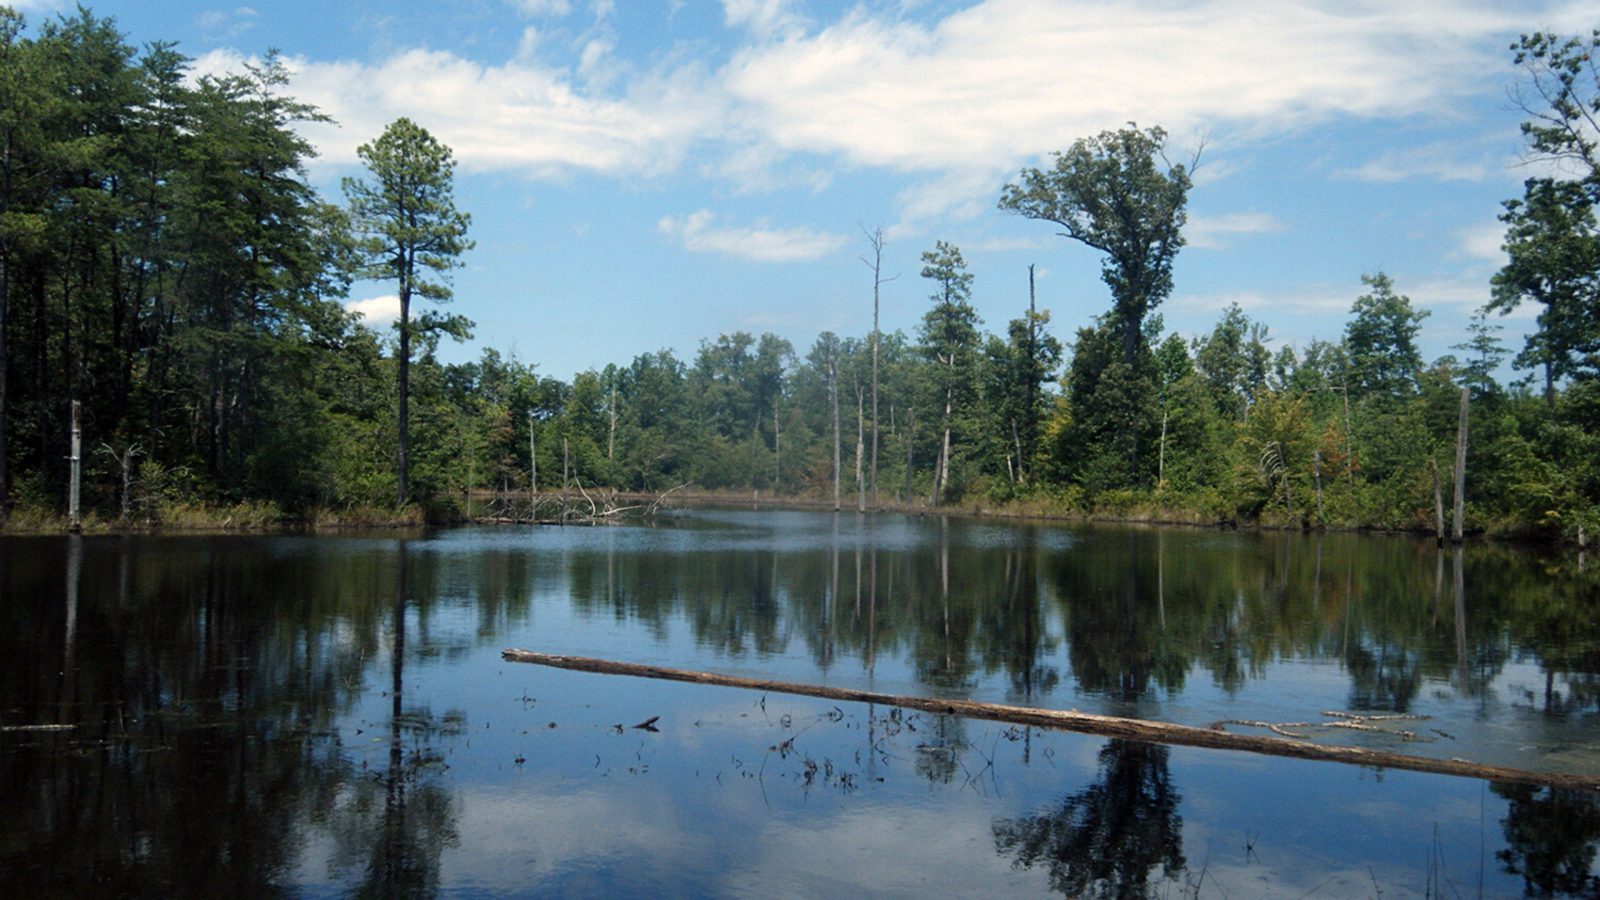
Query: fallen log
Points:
[1085, 723]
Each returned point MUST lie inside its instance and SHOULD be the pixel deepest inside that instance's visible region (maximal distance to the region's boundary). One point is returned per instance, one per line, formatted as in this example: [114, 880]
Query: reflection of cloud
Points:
[511, 838]
[759, 243]
[946, 852]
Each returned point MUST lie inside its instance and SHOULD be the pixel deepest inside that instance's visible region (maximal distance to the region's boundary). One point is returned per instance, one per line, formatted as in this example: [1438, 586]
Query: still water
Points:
[322, 716]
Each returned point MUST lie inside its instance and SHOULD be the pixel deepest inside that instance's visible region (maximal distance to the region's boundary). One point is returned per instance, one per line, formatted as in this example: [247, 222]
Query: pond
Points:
[326, 715]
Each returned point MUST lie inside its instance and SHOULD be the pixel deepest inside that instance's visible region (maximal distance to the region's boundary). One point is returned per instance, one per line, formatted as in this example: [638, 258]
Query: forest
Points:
[170, 280]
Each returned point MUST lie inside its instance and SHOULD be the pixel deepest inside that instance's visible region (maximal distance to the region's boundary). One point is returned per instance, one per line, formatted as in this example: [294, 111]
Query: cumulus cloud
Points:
[759, 243]
[376, 310]
[1009, 79]
[516, 116]
[957, 99]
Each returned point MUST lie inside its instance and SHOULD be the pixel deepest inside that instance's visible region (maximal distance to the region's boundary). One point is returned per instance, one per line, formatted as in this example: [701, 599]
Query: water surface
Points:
[329, 715]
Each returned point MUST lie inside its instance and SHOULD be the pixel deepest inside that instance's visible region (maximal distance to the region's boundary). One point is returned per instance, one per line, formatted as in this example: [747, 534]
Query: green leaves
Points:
[404, 214]
[1116, 193]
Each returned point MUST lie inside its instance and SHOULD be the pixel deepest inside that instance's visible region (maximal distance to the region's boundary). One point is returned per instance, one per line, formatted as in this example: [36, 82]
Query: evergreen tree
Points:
[408, 227]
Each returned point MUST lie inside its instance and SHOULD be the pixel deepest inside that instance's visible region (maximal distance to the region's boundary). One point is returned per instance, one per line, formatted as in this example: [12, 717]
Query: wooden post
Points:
[533, 471]
[74, 520]
[1461, 468]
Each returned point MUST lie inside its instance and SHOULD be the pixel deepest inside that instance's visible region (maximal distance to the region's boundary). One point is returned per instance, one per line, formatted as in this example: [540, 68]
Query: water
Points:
[322, 716]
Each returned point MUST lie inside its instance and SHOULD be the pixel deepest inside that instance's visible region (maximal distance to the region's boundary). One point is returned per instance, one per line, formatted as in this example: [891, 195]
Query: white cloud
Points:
[760, 17]
[1483, 242]
[759, 243]
[1315, 300]
[376, 310]
[228, 23]
[1436, 162]
[959, 100]
[545, 7]
[1013, 79]
[1211, 232]
[517, 116]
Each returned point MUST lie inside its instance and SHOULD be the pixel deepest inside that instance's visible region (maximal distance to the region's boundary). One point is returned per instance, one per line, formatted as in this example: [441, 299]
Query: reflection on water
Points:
[327, 715]
[1109, 838]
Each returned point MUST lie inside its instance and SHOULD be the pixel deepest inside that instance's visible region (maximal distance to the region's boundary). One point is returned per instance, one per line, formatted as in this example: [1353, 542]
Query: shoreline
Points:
[246, 518]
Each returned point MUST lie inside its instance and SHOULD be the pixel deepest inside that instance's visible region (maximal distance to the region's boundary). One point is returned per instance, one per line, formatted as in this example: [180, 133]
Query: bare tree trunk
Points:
[1349, 441]
[861, 486]
[942, 459]
[74, 521]
[833, 400]
[911, 431]
[1461, 467]
[1161, 455]
[1316, 475]
[611, 436]
[1438, 502]
[875, 244]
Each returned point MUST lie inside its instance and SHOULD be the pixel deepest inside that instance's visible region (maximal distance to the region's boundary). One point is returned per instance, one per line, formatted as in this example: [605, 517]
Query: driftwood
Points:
[1086, 723]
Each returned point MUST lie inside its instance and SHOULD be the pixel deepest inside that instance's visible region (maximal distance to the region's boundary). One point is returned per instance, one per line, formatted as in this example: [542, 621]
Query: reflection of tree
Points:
[1105, 840]
[416, 821]
[1551, 838]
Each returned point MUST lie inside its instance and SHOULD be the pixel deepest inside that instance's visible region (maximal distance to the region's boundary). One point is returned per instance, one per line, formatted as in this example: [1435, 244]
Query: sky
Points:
[645, 175]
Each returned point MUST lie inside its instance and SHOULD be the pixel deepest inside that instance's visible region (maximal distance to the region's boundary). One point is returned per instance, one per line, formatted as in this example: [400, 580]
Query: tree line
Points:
[166, 266]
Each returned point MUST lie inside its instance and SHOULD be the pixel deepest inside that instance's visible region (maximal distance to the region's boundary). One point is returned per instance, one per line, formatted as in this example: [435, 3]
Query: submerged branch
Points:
[1085, 723]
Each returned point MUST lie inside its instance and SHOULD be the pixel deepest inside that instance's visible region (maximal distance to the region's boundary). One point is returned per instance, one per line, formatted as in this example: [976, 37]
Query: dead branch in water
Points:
[1086, 723]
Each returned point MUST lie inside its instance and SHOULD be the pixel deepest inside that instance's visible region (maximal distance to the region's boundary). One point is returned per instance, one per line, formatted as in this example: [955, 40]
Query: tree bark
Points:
[1461, 468]
[402, 455]
[833, 400]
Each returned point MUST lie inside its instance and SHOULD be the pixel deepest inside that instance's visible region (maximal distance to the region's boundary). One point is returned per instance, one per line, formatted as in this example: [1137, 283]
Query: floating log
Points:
[1085, 723]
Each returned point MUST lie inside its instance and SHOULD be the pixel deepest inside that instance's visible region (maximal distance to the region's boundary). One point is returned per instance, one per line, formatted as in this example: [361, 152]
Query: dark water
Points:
[330, 715]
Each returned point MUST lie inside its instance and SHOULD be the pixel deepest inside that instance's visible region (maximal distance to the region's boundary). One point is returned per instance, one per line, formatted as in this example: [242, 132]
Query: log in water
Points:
[1085, 723]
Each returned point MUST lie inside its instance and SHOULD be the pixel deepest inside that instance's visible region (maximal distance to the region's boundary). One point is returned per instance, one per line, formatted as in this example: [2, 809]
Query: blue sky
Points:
[647, 174]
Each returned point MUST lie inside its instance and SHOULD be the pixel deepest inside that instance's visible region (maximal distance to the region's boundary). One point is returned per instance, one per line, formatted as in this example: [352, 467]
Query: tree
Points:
[408, 226]
[875, 245]
[1561, 95]
[1381, 338]
[1109, 193]
[949, 340]
[1553, 249]
[20, 99]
